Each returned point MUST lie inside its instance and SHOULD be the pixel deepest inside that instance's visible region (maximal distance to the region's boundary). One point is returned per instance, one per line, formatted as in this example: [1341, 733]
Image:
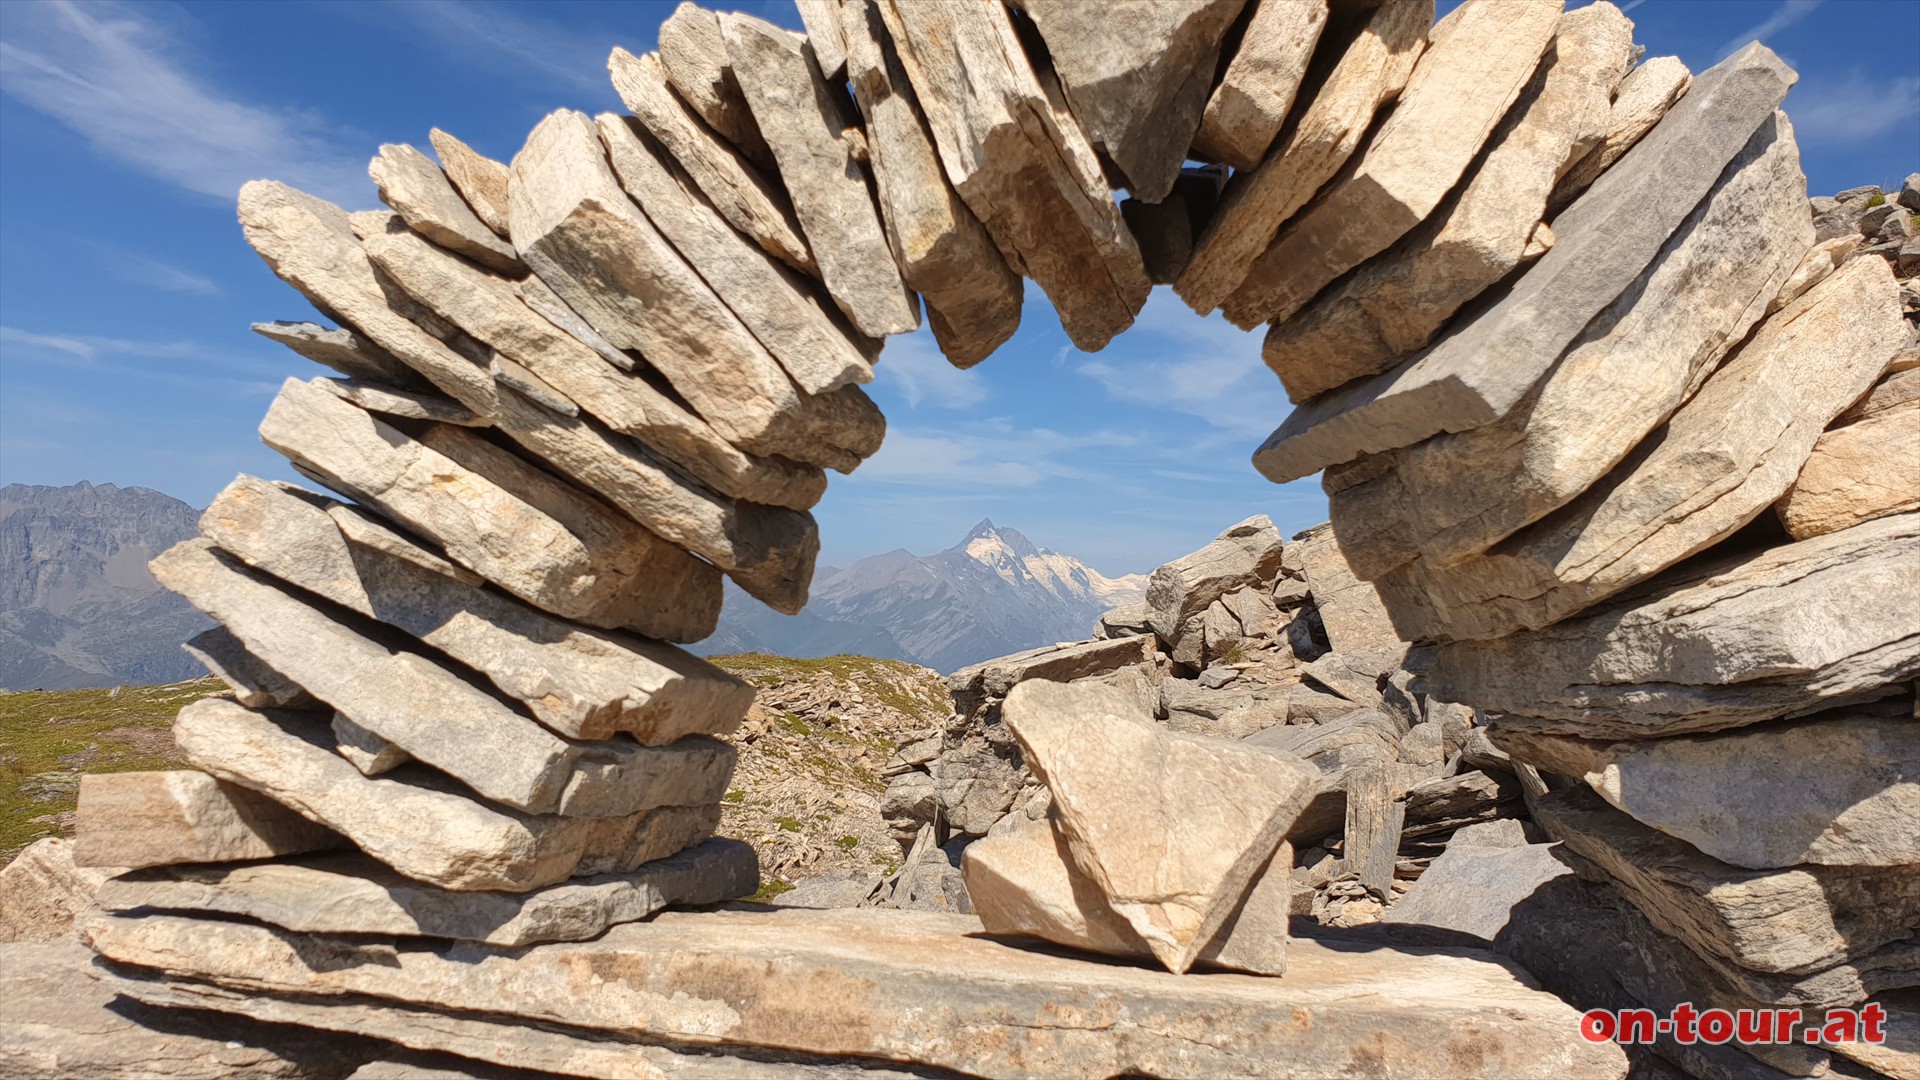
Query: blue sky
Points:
[126, 289]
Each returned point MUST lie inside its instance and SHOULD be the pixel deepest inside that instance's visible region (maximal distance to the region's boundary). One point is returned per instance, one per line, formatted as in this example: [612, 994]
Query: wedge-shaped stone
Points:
[1481, 57]
[922, 977]
[1023, 881]
[1021, 162]
[1864, 470]
[1357, 623]
[42, 892]
[433, 714]
[1722, 459]
[694, 56]
[1795, 921]
[1601, 245]
[416, 821]
[310, 243]
[577, 227]
[253, 683]
[370, 753]
[419, 192]
[774, 302]
[1171, 828]
[824, 36]
[479, 179]
[1838, 789]
[407, 404]
[491, 310]
[137, 819]
[1641, 99]
[1256, 92]
[1396, 302]
[1740, 639]
[945, 254]
[1455, 495]
[1246, 554]
[1136, 74]
[1377, 53]
[533, 535]
[1900, 388]
[807, 129]
[737, 190]
[343, 350]
[580, 682]
[352, 894]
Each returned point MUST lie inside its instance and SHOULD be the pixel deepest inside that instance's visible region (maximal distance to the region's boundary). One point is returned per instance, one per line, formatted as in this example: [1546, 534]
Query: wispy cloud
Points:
[507, 40]
[1853, 109]
[1203, 367]
[993, 453]
[190, 361]
[117, 77]
[154, 274]
[913, 368]
[1789, 12]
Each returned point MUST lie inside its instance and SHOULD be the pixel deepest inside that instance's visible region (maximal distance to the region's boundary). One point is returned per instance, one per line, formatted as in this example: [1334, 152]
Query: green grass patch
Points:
[734, 797]
[795, 724]
[770, 889]
[894, 683]
[787, 824]
[1876, 200]
[848, 843]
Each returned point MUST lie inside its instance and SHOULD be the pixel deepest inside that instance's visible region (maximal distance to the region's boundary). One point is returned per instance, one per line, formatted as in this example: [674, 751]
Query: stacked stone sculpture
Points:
[1559, 338]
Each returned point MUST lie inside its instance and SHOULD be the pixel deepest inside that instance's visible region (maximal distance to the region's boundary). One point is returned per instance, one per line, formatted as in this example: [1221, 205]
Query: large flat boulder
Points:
[693, 56]
[135, 819]
[479, 179]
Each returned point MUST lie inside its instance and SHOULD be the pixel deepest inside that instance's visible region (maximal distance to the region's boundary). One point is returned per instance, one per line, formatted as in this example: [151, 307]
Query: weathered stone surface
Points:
[835, 889]
[1481, 56]
[1797, 921]
[1246, 554]
[1356, 621]
[344, 350]
[807, 130]
[1899, 1055]
[1456, 494]
[253, 683]
[370, 753]
[1901, 387]
[775, 303]
[1136, 75]
[1820, 260]
[352, 894]
[406, 404]
[1856, 473]
[479, 179]
[136, 819]
[432, 713]
[973, 298]
[996, 678]
[42, 891]
[1473, 889]
[419, 192]
[577, 227]
[59, 1019]
[1021, 162]
[926, 976]
[1741, 639]
[520, 528]
[416, 822]
[1166, 230]
[1602, 243]
[577, 681]
[825, 35]
[1171, 828]
[1397, 302]
[1245, 112]
[310, 244]
[1837, 789]
[1723, 458]
[1641, 99]
[1376, 56]
[693, 55]
[737, 190]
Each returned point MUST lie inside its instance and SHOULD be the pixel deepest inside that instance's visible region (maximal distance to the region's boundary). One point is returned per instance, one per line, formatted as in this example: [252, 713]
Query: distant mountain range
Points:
[77, 605]
[991, 594]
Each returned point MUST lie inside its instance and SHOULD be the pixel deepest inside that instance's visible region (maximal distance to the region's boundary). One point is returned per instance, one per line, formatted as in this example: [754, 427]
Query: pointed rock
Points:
[1861, 471]
[419, 192]
[1256, 93]
[1021, 162]
[406, 404]
[1246, 554]
[480, 180]
[343, 350]
[693, 55]
[1641, 99]
[829, 41]
[253, 683]
[136, 819]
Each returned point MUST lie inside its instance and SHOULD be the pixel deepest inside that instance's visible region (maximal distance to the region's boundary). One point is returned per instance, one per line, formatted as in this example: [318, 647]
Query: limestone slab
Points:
[1136, 75]
[1737, 640]
[1641, 99]
[370, 753]
[1021, 162]
[1480, 57]
[345, 351]
[1456, 494]
[1723, 459]
[136, 819]
[1395, 303]
[973, 298]
[42, 891]
[1357, 623]
[580, 682]
[693, 55]
[418, 191]
[352, 894]
[1473, 890]
[310, 244]
[417, 822]
[1246, 110]
[253, 683]
[1246, 554]
[825, 36]
[408, 404]
[806, 129]
[1171, 828]
[1858, 472]
[535, 536]
[1482, 371]
[924, 987]
[479, 179]
[1895, 390]
[1376, 55]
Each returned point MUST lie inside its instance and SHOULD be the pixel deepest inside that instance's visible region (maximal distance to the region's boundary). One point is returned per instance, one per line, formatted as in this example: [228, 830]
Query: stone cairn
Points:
[1559, 333]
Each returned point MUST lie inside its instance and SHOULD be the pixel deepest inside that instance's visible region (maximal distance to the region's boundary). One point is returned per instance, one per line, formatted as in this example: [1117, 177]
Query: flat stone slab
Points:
[479, 179]
[253, 683]
[42, 891]
[418, 191]
[344, 350]
[135, 819]
[1473, 890]
[693, 56]
[1641, 99]
[352, 894]
[1357, 622]
[1867, 469]
[929, 988]
[1246, 110]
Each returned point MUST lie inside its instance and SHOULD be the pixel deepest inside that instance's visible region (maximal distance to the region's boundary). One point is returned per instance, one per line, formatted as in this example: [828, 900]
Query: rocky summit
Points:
[1597, 691]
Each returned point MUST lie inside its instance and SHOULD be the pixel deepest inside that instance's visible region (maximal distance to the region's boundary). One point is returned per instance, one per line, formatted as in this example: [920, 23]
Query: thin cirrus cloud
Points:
[154, 274]
[991, 454]
[1201, 366]
[116, 77]
[1789, 12]
[913, 368]
[496, 35]
[1853, 109]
